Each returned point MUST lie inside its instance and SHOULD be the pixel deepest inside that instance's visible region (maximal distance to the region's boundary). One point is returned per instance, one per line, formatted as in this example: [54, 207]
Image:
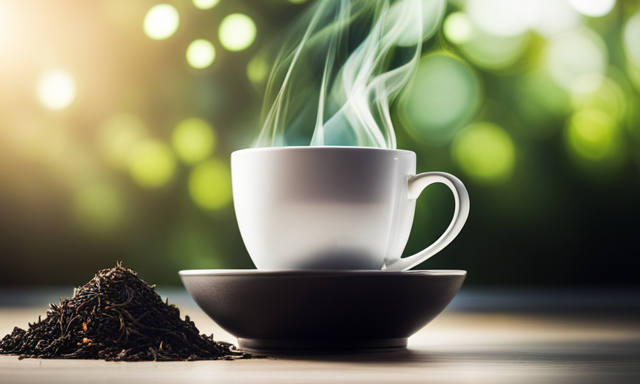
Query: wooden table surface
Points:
[457, 347]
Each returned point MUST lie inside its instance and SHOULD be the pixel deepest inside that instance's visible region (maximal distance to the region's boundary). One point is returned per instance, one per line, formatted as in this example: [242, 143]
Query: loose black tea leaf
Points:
[116, 316]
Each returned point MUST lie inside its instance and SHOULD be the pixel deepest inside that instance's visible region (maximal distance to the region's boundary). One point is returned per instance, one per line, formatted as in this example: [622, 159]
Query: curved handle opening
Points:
[416, 185]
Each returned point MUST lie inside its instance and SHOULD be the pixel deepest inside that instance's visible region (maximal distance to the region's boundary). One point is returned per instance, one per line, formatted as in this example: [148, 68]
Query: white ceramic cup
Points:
[334, 207]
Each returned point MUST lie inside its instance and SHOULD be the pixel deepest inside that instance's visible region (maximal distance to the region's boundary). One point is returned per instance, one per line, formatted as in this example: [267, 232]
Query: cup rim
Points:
[320, 148]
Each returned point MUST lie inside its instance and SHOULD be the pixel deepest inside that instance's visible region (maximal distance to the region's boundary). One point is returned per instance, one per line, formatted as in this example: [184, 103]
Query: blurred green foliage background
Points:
[118, 119]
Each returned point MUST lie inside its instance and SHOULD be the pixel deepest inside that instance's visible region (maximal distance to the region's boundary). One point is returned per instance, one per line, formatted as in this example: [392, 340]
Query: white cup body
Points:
[323, 207]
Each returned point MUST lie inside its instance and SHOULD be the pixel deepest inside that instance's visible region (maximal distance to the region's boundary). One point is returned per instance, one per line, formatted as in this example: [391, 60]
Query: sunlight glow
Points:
[56, 89]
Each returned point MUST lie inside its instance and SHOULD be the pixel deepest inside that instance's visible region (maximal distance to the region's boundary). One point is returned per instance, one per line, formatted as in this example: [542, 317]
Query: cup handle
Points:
[416, 184]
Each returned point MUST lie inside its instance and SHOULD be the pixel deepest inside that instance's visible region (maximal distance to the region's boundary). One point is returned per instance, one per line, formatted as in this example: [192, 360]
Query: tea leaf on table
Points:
[116, 316]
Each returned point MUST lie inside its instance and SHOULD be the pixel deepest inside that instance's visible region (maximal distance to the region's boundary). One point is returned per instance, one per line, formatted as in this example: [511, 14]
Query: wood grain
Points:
[457, 347]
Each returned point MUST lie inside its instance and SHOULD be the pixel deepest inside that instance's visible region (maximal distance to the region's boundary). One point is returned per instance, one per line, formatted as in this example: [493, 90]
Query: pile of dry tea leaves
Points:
[116, 316]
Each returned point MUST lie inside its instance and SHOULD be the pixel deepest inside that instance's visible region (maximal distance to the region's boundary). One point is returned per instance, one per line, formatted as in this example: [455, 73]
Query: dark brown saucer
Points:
[285, 311]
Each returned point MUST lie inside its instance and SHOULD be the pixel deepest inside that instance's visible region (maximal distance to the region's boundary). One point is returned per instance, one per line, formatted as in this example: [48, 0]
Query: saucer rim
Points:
[319, 272]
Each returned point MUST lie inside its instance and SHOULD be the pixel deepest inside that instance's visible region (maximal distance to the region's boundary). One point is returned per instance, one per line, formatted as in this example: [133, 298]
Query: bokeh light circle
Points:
[552, 17]
[609, 98]
[40, 140]
[210, 185]
[193, 140]
[98, 207]
[151, 164]
[593, 135]
[410, 27]
[577, 61]
[194, 247]
[593, 8]
[499, 17]
[541, 102]
[118, 135]
[486, 152]
[237, 32]
[444, 94]
[257, 70]
[205, 4]
[631, 38]
[458, 28]
[161, 22]
[495, 52]
[56, 89]
[200, 53]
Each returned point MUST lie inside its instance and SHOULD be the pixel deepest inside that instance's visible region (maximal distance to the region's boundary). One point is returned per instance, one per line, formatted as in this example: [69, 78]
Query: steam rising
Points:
[343, 65]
